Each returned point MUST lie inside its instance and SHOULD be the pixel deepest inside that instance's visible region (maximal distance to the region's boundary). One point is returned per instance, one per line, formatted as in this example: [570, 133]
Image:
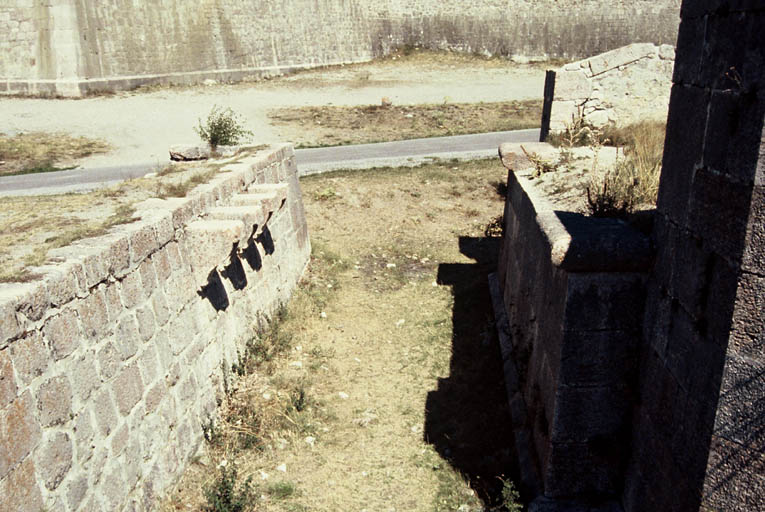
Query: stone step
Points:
[253, 216]
[273, 195]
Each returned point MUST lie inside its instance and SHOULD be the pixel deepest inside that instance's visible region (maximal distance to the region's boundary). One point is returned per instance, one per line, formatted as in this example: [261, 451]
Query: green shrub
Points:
[224, 496]
[222, 128]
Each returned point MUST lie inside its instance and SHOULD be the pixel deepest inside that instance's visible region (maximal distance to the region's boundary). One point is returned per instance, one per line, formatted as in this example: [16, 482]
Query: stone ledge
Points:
[578, 243]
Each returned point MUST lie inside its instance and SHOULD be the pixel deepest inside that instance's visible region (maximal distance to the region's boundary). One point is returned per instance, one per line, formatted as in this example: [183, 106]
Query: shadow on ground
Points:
[467, 418]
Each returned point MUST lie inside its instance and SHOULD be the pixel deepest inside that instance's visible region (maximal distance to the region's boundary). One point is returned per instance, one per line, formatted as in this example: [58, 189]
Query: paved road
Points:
[310, 161]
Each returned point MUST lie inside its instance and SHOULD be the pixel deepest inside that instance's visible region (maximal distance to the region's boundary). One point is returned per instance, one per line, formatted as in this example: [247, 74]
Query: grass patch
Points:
[357, 125]
[44, 152]
[633, 183]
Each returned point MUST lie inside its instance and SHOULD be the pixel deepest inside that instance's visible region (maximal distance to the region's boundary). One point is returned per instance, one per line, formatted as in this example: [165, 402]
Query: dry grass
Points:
[30, 226]
[44, 152]
[393, 398]
[327, 126]
[633, 183]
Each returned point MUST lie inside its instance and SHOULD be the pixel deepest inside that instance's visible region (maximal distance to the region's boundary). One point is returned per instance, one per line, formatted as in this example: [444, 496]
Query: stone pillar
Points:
[699, 425]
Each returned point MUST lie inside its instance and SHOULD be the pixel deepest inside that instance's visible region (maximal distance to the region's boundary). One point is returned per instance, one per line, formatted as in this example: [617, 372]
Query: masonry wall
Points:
[573, 291]
[71, 47]
[621, 86]
[112, 361]
[698, 428]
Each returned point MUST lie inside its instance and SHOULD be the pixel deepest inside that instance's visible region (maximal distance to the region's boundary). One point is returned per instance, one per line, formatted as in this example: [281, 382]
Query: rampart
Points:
[72, 47]
[621, 86]
[641, 386]
[111, 362]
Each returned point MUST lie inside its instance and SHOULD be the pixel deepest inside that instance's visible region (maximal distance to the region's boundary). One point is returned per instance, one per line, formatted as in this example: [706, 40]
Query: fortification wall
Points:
[76, 46]
[110, 364]
[572, 289]
[622, 86]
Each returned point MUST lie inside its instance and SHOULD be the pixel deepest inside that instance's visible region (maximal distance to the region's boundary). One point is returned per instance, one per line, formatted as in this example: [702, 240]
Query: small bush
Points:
[510, 497]
[222, 128]
[224, 496]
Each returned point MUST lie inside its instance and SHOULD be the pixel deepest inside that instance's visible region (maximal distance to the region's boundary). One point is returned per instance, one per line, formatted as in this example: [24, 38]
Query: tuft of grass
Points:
[225, 496]
[633, 183]
[281, 490]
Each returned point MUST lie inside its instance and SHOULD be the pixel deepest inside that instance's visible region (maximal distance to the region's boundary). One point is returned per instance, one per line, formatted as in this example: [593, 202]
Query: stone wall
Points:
[573, 290]
[698, 428]
[70, 47]
[112, 361]
[695, 437]
[622, 86]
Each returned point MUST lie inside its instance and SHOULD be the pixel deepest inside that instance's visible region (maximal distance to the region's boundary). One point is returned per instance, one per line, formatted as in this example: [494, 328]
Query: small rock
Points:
[391, 265]
[343, 395]
[263, 475]
[185, 153]
[400, 322]
[210, 82]
[409, 116]
[386, 102]
[267, 396]
[296, 364]
[282, 468]
[323, 314]
[310, 441]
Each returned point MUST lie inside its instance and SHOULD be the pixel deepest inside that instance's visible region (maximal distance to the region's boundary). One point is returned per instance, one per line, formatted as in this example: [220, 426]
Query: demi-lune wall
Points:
[72, 47]
[112, 361]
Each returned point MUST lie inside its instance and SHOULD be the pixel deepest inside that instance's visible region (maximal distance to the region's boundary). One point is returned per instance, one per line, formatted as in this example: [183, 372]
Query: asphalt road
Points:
[310, 161]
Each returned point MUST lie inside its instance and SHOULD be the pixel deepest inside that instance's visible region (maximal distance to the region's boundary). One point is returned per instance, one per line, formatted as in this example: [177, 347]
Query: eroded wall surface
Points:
[110, 363]
[622, 86]
[70, 47]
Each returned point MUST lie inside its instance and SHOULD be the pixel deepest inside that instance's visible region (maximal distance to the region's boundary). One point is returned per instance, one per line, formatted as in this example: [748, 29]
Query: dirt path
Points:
[391, 383]
[142, 125]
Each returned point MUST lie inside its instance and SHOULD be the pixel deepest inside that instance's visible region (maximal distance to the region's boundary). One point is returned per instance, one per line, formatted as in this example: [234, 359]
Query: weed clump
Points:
[225, 496]
[634, 180]
[222, 128]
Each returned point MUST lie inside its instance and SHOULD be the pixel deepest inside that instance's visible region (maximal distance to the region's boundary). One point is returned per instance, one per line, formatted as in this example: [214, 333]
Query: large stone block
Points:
[599, 358]
[93, 314]
[733, 62]
[54, 459]
[620, 57]
[128, 389]
[8, 386]
[54, 401]
[19, 433]
[63, 333]
[718, 210]
[684, 144]
[20, 490]
[30, 356]
[605, 302]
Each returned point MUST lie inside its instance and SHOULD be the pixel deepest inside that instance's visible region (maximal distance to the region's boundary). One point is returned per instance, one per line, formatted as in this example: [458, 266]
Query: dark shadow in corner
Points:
[467, 419]
[215, 292]
[264, 239]
[234, 271]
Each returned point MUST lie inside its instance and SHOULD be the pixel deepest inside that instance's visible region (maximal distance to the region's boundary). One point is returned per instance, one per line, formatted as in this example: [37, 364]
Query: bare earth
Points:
[141, 125]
